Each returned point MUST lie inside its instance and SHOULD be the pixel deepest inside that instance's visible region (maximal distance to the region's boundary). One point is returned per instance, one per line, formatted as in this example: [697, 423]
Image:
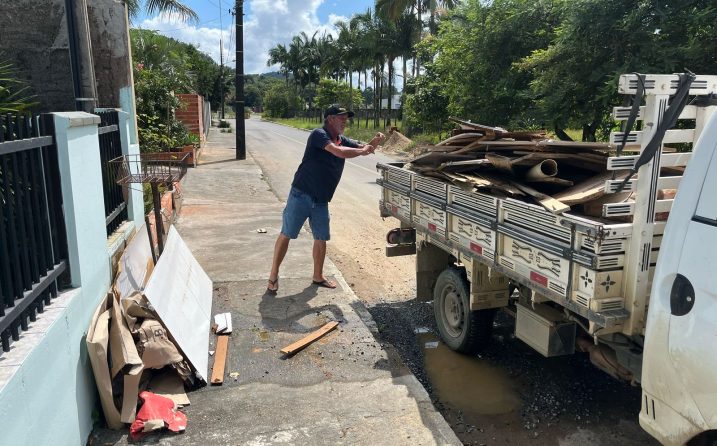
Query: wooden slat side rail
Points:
[300, 344]
[666, 84]
[628, 208]
[623, 113]
[612, 186]
[673, 136]
[220, 359]
[666, 160]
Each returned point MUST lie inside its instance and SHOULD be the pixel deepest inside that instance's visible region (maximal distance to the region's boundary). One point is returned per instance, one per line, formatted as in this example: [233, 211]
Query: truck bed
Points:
[573, 260]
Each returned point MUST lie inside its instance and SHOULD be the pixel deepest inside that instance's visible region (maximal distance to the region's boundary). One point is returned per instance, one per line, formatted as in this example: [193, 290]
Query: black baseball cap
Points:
[335, 110]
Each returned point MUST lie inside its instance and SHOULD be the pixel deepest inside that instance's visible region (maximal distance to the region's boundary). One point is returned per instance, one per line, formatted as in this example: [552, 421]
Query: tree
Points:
[575, 76]
[280, 101]
[474, 55]
[279, 55]
[425, 105]
[160, 6]
[332, 92]
[15, 96]
[348, 48]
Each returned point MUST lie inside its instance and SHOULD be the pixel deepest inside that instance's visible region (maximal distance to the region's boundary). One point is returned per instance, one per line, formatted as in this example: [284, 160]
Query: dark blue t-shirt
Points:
[320, 170]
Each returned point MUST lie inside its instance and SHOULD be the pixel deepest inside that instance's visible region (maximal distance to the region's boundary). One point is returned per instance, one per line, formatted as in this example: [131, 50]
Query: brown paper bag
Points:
[135, 307]
[156, 349]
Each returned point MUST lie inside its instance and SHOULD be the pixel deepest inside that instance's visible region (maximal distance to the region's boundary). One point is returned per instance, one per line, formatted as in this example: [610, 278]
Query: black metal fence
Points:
[111, 148]
[33, 240]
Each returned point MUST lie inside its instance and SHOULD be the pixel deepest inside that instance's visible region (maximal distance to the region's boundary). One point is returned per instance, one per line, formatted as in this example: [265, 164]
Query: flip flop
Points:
[274, 282]
[326, 283]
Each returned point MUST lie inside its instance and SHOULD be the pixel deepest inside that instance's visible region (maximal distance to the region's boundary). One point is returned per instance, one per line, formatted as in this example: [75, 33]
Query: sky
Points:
[266, 24]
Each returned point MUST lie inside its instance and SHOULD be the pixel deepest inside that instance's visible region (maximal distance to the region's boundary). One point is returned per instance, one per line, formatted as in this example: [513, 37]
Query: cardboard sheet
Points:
[169, 385]
[181, 294]
[134, 265]
[105, 339]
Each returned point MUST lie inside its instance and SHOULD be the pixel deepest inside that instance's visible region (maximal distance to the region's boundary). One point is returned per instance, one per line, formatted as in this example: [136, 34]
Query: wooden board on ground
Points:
[220, 359]
[300, 344]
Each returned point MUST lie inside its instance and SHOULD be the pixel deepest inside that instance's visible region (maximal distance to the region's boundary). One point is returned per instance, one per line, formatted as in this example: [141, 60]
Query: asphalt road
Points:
[509, 395]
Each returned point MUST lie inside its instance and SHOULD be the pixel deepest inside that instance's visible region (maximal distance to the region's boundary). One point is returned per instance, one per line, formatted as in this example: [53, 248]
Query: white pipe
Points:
[545, 169]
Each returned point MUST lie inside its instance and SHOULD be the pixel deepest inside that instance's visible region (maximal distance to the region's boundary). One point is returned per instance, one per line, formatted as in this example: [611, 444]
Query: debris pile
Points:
[150, 335]
[523, 165]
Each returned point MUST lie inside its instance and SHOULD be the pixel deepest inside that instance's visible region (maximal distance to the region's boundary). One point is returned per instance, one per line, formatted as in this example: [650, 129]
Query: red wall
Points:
[190, 114]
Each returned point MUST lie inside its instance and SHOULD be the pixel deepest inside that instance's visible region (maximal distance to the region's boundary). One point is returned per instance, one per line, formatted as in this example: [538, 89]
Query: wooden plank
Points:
[552, 180]
[467, 165]
[501, 162]
[494, 182]
[588, 190]
[220, 359]
[436, 158]
[300, 344]
[463, 137]
[548, 202]
[473, 125]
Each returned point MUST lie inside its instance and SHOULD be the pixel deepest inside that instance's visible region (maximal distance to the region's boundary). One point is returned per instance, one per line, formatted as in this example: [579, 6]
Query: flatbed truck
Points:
[578, 283]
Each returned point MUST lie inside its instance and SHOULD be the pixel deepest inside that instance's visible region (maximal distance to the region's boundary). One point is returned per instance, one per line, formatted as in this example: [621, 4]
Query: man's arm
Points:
[359, 150]
[349, 152]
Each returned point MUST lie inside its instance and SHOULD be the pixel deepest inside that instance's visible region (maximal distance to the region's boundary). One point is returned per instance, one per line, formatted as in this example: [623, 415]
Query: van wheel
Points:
[460, 328]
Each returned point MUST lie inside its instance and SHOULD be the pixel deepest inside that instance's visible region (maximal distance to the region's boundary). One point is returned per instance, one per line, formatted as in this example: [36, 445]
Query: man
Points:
[313, 187]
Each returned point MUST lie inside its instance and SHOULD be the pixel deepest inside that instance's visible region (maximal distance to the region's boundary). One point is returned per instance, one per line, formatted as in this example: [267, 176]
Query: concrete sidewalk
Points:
[343, 389]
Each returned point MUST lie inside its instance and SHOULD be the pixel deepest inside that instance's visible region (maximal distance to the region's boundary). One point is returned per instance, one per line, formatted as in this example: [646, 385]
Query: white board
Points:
[133, 264]
[181, 294]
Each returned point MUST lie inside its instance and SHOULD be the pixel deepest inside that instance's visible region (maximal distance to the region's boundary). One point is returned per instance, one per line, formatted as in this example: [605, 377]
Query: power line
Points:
[179, 29]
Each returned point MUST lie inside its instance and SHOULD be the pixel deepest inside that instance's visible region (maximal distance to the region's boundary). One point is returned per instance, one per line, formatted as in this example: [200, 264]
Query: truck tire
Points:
[460, 328]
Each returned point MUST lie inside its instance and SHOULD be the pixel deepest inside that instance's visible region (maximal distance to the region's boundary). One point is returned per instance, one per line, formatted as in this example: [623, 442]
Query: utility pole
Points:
[221, 76]
[239, 81]
[221, 61]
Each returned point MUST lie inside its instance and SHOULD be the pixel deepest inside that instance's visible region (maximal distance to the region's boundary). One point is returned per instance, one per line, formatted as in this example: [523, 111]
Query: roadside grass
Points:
[358, 130]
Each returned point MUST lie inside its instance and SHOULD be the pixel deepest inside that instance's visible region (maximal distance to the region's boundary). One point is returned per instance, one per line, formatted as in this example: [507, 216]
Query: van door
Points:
[693, 304]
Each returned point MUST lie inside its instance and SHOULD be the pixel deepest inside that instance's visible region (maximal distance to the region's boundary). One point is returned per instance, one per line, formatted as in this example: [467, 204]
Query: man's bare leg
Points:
[280, 248]
[319, 256]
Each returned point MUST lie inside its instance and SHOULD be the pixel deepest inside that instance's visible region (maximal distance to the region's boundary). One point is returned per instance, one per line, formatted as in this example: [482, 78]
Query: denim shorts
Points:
[299, 207]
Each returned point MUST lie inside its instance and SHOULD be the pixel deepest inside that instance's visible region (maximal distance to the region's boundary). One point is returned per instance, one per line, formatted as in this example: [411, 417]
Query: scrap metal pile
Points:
[523, 165]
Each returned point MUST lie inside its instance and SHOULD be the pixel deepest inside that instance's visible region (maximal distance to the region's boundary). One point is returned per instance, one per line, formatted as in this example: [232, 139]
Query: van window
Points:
[707, 205]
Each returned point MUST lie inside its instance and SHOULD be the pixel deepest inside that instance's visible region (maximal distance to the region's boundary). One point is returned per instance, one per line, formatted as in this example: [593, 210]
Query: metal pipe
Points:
[545, 169]
[74, 57]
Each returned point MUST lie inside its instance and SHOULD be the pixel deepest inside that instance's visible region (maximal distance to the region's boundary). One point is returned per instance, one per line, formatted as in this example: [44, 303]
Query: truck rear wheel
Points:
[460, 328]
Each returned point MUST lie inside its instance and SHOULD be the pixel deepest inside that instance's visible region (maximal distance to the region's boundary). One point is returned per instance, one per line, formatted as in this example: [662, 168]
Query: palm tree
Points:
[279, 55]
[409, 33]
[374, 43]
[393, 9]
[15, 95]
[348, 45]
[160, 6]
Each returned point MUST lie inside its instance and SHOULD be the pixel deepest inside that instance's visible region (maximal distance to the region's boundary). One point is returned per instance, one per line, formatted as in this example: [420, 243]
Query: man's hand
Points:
[368, 149]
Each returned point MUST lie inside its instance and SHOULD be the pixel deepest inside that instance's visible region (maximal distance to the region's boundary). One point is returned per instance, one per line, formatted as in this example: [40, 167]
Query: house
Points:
[76, 56]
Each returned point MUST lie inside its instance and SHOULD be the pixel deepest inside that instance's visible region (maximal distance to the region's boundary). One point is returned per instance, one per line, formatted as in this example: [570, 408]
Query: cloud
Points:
[269, 23]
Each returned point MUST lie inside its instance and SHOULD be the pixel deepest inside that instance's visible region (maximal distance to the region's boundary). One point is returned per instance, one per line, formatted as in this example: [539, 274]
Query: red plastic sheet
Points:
[157, 412]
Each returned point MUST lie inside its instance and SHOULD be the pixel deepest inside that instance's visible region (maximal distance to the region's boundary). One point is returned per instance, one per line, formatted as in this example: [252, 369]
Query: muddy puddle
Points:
[468, 384]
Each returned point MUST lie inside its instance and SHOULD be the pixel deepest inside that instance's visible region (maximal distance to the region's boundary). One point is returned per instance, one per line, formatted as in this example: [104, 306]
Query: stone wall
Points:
[33, 37]
[111, 50]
